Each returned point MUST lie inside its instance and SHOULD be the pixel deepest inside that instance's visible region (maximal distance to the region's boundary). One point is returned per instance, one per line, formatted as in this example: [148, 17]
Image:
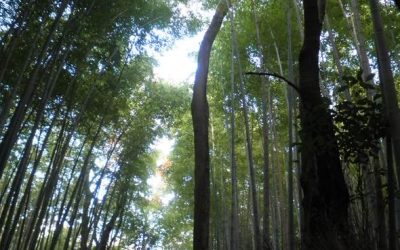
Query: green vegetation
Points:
[315, 167]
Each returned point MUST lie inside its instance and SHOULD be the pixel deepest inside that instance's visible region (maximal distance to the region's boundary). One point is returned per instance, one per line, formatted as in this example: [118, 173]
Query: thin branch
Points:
[277, 76]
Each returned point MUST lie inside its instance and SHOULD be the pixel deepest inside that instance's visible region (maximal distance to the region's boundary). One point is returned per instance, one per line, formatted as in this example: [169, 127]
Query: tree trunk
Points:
[391, 109]
[276, 202]
[326, 198]
[109, 226]
[290, 103]
[235, 200]
[22, 166]
[200, 126]
[249, 147]
[387, 83]
[266, 238]
[336, 58]
[10, 136]
[380, 229]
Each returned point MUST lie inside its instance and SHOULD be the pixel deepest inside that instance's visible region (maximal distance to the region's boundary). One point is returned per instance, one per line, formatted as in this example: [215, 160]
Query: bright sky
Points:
[178, 64]
[164, 146]
[175, 66]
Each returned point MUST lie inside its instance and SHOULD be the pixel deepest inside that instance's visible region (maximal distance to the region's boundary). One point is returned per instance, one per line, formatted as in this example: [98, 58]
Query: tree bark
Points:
[388, 88]
[290, 103]
[326, 198]
[380, 229]
[392, 114]
[200, 115]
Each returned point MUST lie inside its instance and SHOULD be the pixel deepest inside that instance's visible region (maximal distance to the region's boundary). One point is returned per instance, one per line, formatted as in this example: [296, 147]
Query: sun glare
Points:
[178, 64]
[163, 146]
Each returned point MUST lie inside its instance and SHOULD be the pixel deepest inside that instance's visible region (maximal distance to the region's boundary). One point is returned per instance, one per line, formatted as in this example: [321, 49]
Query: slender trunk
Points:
[24, 204]
[9, 98]
[109, 226]
[234, 202]
[33, 216]
[43, 205]
[278, 57]
[64, 210]
[10, 136]
[299, 20]
[390, 102]
[51, 177]
[16, 32]
[200, 125]
[276, 202]
[6, 184]
[25, 198]
[107, 231]
[117, 229]
[380, 229]
[72, 218]
[249, 147]
[22, 167]
[391, 109]
[101, 209]
[85, 216]
[266, 241]
[86, 190]
[96, 208]
[49, 221]
[235, 233]
[216, 233]
[391, 196]
[360, 44]
[336, 57]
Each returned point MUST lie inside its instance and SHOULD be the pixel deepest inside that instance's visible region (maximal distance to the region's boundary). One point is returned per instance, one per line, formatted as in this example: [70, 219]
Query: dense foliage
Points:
[81, 109]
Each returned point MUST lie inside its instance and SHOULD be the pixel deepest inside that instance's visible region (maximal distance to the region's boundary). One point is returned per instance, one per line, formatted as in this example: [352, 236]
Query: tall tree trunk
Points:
[276, 202]
[109, 226]
[380, 229]
[10, 98]
[391, 109]
[10, 136]
[391, 193]
[290, 102]
[249, 147]
[200, 126]
[387, 83]
[326, 198]
[266, 239]
[336, 57]
[360, 43]
[74, 213]
[14, 34]
[235, 200]
[22, 166]
[86, 190]
[64, 209]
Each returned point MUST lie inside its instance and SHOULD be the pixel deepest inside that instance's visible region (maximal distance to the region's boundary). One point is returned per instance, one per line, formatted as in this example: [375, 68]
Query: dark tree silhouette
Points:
[326, 197]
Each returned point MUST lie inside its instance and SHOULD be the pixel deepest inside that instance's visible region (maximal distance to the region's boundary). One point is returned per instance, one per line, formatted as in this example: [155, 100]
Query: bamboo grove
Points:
[80, 108]
[313, 146]
[309, 166]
